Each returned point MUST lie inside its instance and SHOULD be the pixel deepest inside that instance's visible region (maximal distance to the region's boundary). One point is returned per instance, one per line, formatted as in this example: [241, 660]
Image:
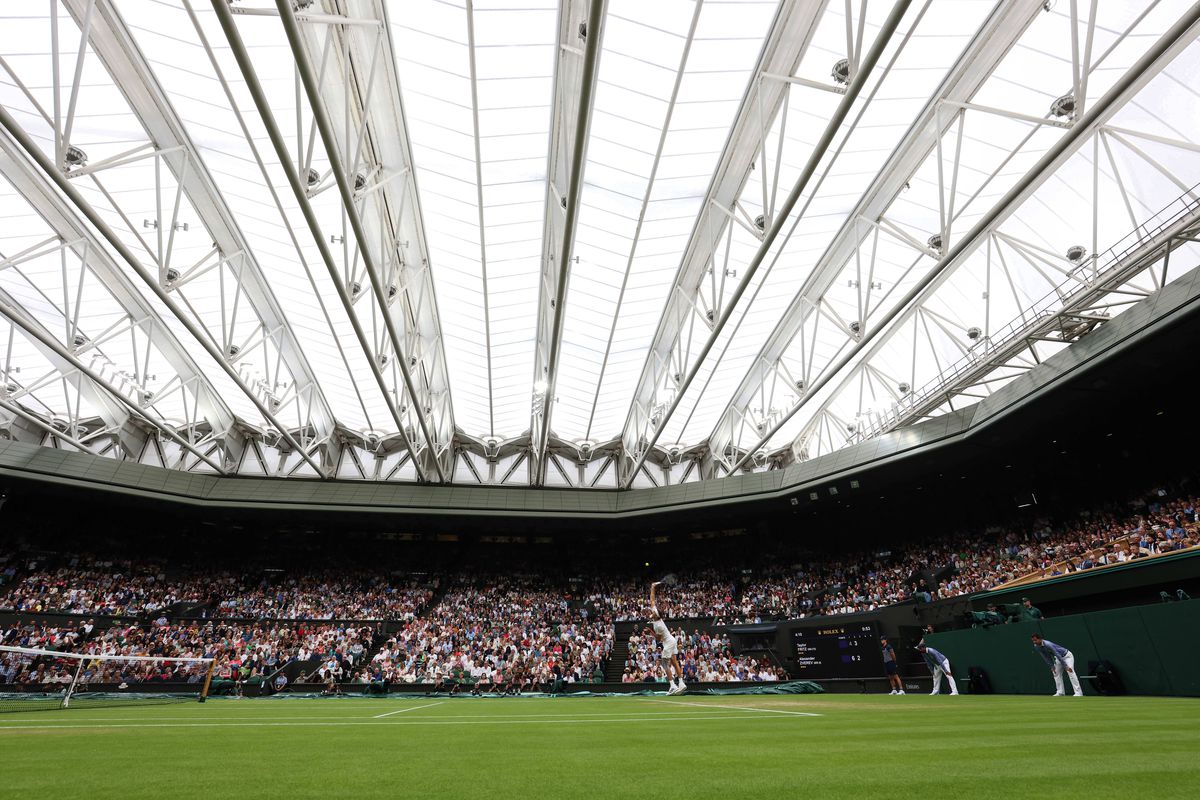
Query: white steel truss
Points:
[671, 365]
[752, 407]
[1079, 285]
[299, 416]
[580, 33]
[680, 240]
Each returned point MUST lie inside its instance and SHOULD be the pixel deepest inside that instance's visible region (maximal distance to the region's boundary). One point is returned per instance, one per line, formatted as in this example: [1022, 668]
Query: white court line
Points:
[405, 710]
[335, 717]
[389, 723]
[736, 708]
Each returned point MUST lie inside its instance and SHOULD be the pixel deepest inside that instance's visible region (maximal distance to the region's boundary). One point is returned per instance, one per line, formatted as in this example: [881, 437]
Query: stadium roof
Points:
[589, 243]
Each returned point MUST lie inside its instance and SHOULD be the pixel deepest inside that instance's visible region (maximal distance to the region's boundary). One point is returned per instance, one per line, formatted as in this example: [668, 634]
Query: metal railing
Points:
[1077, 286]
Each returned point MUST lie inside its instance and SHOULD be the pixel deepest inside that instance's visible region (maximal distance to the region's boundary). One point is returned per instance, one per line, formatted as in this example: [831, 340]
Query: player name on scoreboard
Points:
[838, 651]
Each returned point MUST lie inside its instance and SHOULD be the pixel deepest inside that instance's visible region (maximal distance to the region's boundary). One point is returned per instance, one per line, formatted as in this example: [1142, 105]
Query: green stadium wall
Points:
[1155, 649]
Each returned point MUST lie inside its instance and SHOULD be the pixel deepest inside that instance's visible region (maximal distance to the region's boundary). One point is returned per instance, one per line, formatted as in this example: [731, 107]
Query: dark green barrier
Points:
[1154, 648]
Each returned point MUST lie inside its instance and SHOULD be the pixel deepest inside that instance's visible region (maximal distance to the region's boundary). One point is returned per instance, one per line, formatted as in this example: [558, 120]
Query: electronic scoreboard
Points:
[838, 651]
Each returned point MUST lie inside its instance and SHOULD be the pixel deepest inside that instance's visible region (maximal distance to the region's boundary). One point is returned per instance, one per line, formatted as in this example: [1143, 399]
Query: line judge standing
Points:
[938, 664]
[1058, 658]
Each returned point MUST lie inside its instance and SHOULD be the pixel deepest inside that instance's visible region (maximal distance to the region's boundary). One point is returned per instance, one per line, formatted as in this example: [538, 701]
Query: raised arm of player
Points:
[653, 605]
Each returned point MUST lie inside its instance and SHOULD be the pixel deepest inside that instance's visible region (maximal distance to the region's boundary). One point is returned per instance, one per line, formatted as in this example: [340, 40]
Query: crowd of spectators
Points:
[503, 634]
[80, 585]
[705, 657]
[77, 584]
[241, 652]
[526, 630]
[327, 595]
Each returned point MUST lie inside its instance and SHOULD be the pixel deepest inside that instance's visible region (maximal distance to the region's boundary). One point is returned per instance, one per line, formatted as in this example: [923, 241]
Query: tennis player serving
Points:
[670, 647]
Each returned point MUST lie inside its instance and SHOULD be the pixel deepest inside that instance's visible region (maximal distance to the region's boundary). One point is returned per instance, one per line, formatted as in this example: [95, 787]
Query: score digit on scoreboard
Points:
[838, 651]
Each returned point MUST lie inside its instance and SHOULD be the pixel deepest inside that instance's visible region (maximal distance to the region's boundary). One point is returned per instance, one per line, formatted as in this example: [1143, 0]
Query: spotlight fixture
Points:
[841, 72]
[74, 157]
[1063, 107]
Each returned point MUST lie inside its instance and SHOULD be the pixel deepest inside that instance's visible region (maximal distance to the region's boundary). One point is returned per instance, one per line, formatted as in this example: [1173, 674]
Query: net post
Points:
[66, 701]
[207, 680]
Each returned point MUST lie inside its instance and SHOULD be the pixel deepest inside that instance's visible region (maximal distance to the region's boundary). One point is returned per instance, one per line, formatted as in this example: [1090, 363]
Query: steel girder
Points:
[310, 428]
[116, 407]
[648, 415]
[791, 32]
[141, 316]
[1090, 124]
[580, 33]
[387, 207]
[1078, 306]
[403, 413]
[412, 323]
[769, 375]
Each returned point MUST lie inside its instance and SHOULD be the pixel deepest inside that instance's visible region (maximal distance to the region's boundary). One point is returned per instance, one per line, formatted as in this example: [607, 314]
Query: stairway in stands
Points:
[620, 651]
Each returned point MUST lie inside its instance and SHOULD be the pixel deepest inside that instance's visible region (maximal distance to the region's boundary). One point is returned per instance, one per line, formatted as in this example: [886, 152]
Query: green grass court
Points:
[826, 746]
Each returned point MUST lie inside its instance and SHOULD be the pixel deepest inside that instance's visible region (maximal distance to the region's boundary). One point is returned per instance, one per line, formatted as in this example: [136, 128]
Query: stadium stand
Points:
[512, 632]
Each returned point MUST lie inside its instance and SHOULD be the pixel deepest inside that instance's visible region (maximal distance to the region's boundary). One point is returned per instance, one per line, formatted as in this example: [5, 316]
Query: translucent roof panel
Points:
[477, 88]
[339, 227]
[667, 95]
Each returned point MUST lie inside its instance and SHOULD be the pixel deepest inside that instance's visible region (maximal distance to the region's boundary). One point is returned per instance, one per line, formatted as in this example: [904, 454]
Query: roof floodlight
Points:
[312, 178]
[841, 72]
[74, 157]
[1075, 253]
[974, 333]
[1063, 107]
[935, 243]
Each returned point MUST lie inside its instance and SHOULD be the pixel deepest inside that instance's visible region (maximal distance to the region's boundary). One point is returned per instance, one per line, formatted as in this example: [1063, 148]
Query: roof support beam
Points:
[643, 428]
[574, 91]
[75, 237]
[436, 452]
[791, 32]
[288, 165]
[1158, 56]
[1001, 31]
[113, 43]
[101, 390]
[51, 171]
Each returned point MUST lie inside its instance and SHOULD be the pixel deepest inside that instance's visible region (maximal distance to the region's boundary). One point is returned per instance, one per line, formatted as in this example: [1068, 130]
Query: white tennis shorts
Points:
[670, 649]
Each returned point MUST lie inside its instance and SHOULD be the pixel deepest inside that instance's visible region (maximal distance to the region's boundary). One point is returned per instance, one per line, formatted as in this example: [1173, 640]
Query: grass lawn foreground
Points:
[826, 746]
